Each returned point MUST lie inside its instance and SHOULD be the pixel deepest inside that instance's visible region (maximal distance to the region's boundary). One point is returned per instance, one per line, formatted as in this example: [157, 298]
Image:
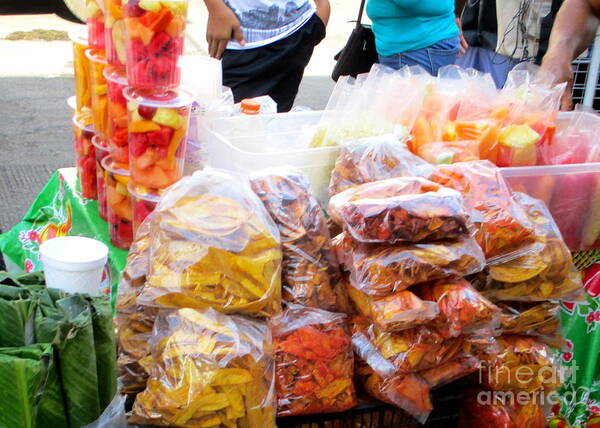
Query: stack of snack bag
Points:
[406, 247]
[202, 277]
[313, 352]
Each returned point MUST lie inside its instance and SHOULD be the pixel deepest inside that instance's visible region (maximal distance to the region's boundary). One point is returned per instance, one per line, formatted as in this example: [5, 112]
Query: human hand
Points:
[222, 26]
[323, 10]
[559, 67]
[463, 43]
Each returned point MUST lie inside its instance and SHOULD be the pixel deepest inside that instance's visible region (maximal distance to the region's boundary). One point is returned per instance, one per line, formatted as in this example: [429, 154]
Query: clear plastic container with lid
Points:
[143, 201]
[158, 125]
[95, 23]
[154, 42]
[114, 31]
[102, 150]
[117, 114]
[85, 158]
[119, 210]
[99, 89]
[81, 69]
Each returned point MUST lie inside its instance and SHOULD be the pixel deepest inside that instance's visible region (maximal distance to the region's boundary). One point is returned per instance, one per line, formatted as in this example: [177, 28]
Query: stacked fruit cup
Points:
[85, 157]
[102, 150]
[81, 68]
[118, 201]
[114, 28]
[144, 201]
[117, 114]
[99, 91]
[95, 23]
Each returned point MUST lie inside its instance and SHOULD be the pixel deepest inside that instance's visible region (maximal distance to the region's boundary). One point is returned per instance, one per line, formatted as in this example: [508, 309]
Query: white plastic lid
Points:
[115, 75]
[73, 253]
[179, 97]
[72, 102]
[96, 55]
[79, 36]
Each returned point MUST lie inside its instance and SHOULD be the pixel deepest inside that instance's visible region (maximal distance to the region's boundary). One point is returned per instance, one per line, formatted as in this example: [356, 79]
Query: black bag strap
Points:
[360, 12]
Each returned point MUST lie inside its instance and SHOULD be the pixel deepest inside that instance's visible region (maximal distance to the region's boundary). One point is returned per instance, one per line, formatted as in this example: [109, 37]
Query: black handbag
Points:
[359, 54]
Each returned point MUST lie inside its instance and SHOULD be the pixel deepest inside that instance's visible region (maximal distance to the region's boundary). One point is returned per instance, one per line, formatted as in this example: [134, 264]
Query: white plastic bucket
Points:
[74, 264]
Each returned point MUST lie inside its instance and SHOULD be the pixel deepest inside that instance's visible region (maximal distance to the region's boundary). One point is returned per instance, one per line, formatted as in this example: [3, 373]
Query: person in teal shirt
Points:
[416, 32]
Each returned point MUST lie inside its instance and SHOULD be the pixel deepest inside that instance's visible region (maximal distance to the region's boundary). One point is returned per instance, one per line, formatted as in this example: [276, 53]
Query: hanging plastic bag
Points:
[406, 209]
[208, 369]
[314, 362]
[381, 269]
[215, 246]
[309, 269]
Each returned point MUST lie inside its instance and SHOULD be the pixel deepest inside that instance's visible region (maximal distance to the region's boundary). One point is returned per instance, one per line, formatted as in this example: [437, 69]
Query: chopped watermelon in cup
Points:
[81, 69]
[95, 23]
[154, 41]
[158, 125]
[99, 91]
[85, 157]
[114, 28]
[120, 214]
[144, 201]
[102, 150]
[117, 114]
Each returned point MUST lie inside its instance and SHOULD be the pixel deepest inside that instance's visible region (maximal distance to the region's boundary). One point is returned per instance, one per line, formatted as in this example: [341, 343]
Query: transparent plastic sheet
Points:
[533, 319]
[395, 312]
[113, 416]
[379, 269]
[514, 355]
[545, 273]
[374, 158]
[208, 370]
[459, 367]
[577, 142]
[309, 268]
[500, 225]
[462, 308]
[444, 152]
[416, 349]
[215, 246]
[314, 362]
[405, 209]
[481, 411]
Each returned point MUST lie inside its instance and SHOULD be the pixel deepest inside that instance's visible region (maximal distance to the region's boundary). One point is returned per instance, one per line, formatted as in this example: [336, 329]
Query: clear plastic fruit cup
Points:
[158, 125]
[102, 150]
[154, 41]
[144, 201]
[114, 31]
[95, 23]
[117, 114]
[81, 68]
[118, 202]
[85, 157]
[99, 91]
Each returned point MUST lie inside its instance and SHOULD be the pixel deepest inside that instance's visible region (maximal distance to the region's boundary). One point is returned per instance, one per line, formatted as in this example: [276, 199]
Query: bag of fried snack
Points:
[309, 270]
[314, 364]
[520, 363]
[208, 370]
[374, 158]
[406, 351]
[540, 319]
[500, 225]
[134, 322]
[546, 272]
[482, 409]
[394, 312]
[405, 209]
[214, 246]
[462, 309]
[380, 269]
[460, 366]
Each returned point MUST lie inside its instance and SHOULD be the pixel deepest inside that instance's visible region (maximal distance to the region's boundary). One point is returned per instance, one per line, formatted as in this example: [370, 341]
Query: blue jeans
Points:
[431, 58]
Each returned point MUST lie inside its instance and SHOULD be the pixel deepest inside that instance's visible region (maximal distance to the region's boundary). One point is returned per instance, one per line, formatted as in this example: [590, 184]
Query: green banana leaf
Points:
[17, 310]
[106, 349]
[23, 375]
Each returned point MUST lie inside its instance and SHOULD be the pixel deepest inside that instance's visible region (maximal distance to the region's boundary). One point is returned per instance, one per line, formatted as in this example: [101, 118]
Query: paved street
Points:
[36, 79]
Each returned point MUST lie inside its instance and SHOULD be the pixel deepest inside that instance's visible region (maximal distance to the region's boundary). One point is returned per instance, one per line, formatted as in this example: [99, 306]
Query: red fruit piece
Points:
[138, 143]
[87, 133]
[160, 137]
[141, 211]
[132, 9]
[146, 112]
[139, 51]
[124, 231]
[161, 45]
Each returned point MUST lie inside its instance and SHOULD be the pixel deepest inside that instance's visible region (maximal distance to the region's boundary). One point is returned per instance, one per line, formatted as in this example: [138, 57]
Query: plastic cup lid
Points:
[74, 253]
[113, 167]
[96, 55]
[141, 192]
[83, 121]
[179, 97]
[79, 36]
[72, 102]
[115, 75]
[100, 144]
